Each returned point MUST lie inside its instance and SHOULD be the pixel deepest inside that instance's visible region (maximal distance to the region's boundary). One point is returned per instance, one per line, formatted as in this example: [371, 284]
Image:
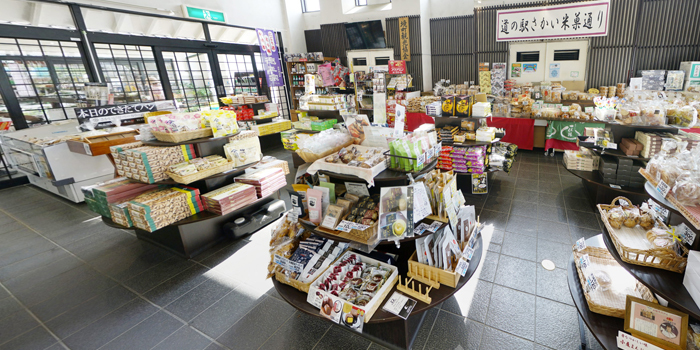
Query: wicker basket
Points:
[690, 213]
[187, 179]
[183, 135]
[311, 157]
[634, 248]
[612, 301]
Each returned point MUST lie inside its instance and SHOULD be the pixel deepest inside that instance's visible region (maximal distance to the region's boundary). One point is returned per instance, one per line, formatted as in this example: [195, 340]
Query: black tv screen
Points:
[365, 35]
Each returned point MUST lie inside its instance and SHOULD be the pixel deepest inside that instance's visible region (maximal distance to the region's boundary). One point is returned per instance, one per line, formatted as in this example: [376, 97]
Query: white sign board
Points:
[554, 22]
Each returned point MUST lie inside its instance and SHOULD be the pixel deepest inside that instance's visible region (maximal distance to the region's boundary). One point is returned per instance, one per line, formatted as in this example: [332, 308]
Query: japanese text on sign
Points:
[270, 57]
[404, 39]
[551, 22]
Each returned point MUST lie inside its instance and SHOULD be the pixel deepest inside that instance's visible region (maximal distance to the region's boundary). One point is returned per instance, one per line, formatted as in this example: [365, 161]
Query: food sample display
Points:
[680, 171]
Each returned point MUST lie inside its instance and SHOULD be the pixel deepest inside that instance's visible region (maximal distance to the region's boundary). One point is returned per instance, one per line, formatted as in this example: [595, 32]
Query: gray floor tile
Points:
[160, 273]
[230, 309]
[11, 227]
[95, 246]
[522, 225]
[424, 331]
[577, 191]
[512, 311]
[254, 328]
[176, 286]
[583, 219]
[553, 231]
[499, 204]
[495, 339]
[549, 168]
[342, 339]
[198, 299]
[493, 218]
[54, 286]
[301, 331]
[550, 178]
[184, 338]
[8, 306]
[578, 232]
[551, 187]
[37, 338]
[525, 184]
[517, 274]
[32, 263]
[111, 326]
[557, 325]
[507, 180]
[44, 274]
[72, 297]
[500, 191]
[221, 255]
[493, 247]
[530, 167]
[130, 260]
[47, 220]
[90, 311]
[553, 285]
[520, 246]
[471, 301]
[523, 209]
[496, 236]
[558, 253]
[15, 325]
[525, 195]
[146, 334]
[556, 200]
[578, 203]
[34, 246]
[528, 175]
[451, 332]
[488, 266]
[549, 213]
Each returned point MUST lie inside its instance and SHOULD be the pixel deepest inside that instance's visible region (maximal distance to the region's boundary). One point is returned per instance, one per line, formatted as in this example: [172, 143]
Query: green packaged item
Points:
[417, 151]
[393, 152]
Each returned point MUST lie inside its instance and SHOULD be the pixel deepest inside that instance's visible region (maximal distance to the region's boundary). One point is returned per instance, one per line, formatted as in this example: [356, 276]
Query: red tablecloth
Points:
[414, 120]
[518, 131]
[693, 130]
[559, 144]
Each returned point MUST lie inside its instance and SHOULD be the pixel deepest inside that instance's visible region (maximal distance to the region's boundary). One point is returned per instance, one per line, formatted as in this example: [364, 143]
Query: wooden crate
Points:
[447, 278]
[100, 144]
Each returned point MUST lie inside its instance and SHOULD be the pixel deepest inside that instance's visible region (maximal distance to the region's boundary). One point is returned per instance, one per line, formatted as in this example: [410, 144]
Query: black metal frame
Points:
[91, 62]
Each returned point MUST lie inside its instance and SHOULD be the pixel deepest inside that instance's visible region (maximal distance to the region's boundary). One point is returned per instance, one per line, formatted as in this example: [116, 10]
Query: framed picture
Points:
[656, 324]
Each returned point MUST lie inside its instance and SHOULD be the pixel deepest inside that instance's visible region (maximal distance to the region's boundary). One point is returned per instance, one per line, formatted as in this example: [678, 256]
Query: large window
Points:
[131, 71]
[310, 5]
[191, 80]
[47, 77]
[237, 72]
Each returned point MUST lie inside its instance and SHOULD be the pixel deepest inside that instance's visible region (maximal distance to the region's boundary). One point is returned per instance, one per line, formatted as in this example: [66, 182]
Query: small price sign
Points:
[591, 283]
[462, 267]
[345, 226]
[581, 244]
[685, 234]
[663, 188]
[421, 159]
[584, 261]
[469, 253]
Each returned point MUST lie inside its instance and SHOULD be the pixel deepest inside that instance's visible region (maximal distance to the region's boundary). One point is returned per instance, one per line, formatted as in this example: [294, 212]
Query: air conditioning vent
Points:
[528, 56]
[381, 61]
[566, 55]
[360, 61]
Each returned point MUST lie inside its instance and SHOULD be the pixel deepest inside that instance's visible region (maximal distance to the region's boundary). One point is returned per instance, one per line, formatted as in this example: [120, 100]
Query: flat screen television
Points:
[365, 35]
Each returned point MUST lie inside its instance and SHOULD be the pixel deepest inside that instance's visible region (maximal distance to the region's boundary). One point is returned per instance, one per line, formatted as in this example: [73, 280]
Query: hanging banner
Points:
[404, 39]
[270, 57]
[552, 22]
[397, 67]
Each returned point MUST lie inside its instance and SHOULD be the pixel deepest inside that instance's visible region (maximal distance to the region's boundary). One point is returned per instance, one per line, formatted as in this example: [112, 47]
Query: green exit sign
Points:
[203, 14]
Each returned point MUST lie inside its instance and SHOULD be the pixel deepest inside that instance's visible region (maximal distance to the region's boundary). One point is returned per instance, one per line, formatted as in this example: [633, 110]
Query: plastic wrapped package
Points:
[687, 189]
[686, 116]
[653, 113]
[630, 114]
[501, 108]
[550, 113]
[674, 80]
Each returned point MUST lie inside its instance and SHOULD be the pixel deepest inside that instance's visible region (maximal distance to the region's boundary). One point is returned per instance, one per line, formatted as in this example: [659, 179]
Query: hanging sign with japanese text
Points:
[270, 57]
[105, 116]
[403, 37]
[552, 22]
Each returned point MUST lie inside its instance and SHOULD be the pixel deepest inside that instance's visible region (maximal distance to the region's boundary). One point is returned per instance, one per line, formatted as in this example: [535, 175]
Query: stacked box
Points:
[631, 147]
[653, 79]
[266, 181]
[272, 128]
[498, 78]
[99, 196]
[148, 164]
[472, 160]
[157, 209]
[117, 150]
[608, 169]
[445, 159]
[581, 160]
[229, 198]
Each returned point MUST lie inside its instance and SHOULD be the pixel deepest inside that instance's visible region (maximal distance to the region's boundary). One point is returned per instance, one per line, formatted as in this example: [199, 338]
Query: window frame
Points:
[304, 10]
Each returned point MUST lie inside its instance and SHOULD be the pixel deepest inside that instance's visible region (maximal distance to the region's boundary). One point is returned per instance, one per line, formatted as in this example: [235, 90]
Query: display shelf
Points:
[603, 328]
[384, 327]
[668, 285]
[656, 196]
[614, 152]
[327, 235]
[234, 171]
[690, 214]
[158, 143]
[593, 177]
[108, 221]
[387, 175]
[246, 104]
[307, 131]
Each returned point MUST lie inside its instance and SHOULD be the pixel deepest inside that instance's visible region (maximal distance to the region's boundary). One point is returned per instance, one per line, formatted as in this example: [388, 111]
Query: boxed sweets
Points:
[365, 211]
[196, 165]
[243, 148]
[229, 198]
[266, 181]
[155, 210]
[315, 254]
[149, 164]
[357, 280]
[98, 197]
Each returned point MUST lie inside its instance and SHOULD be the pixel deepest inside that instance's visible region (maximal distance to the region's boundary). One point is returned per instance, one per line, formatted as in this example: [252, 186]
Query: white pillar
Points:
[425, 45]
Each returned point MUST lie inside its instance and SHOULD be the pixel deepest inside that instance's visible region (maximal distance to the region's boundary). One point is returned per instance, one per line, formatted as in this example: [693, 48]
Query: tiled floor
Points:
[69, 281]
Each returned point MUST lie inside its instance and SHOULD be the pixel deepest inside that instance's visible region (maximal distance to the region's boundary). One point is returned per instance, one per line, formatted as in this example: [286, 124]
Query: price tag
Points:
[661, 211]
[469, 253]
[345, 226]
[360, 227]
[420, 229]
[565, 109]
[584, 261]
[462, 266]
[429, 154]
[615, 186]
[686, 234]
[580, 244]
[357, 189]
[421, 159]
[434, 226]
[624, 203]
[288, 264]
[293, 217]
[588, 110]
[591, 283]
[663, 188]
[87, 149]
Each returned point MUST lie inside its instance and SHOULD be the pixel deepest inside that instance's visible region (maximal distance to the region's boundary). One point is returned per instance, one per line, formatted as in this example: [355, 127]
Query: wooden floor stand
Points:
[413, 292]
[419, 275]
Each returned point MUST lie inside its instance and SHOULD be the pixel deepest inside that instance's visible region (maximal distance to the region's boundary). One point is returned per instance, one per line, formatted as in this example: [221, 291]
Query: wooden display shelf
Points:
[387, 175]
[99, 145]
[343, 237]
[158, 143]
[386, 328]
[667, 284]
[604, 328]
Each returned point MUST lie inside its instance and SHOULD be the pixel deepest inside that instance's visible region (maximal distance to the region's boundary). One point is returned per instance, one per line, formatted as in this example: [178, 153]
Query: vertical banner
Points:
[270, 57]
[404, 39]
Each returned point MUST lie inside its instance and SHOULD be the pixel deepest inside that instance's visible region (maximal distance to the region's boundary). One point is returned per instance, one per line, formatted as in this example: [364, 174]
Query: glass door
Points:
[238, 74]
[191, 78]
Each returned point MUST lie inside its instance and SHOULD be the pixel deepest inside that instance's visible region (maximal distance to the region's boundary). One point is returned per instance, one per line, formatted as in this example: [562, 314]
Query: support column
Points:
[425, 45]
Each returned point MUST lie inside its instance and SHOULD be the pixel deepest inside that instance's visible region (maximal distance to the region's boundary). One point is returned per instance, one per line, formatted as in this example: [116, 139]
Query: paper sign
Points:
[663, 188]
[420, 229]
[360, 227]
[469, 253]
[591, 283]
[615, 186]
[580, 244]
[434, 226]
[357, 189]
[629, 342]
[685, 233]
[584, 262]
[288, 264]
[399, 120]
[345, 226]
[421, 202]
[399, 305]
[660, 211]
[462, 266]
